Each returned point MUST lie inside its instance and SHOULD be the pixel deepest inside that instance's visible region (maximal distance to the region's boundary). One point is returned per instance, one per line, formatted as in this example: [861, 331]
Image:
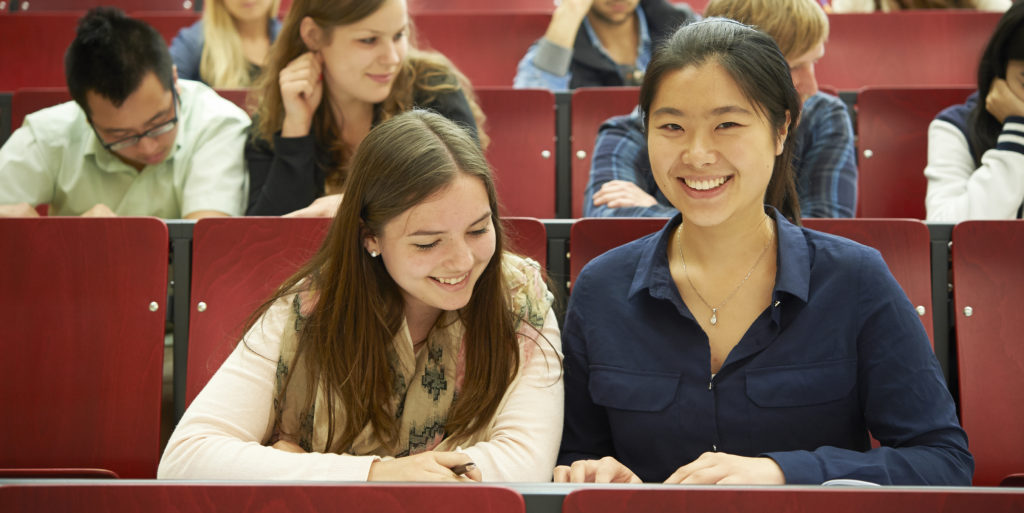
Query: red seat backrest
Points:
[928, 47]
[591, 236]
[237, 263]
[184, 497]
[988, 291]
[33, 51]
[486, 46]
[592, 106]
[84, 314]
[905, 245]
[892, 142]
[778, 499]
[521, 125]
[528, 237]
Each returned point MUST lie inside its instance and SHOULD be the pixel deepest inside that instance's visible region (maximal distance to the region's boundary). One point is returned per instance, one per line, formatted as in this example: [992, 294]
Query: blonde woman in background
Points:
[228, 47]
[339, 68]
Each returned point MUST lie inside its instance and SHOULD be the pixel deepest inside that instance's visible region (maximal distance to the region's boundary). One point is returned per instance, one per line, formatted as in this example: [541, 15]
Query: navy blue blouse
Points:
[840, 354]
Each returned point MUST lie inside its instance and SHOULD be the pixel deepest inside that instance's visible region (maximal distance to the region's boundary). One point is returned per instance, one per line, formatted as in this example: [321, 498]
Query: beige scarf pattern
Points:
[426, 383]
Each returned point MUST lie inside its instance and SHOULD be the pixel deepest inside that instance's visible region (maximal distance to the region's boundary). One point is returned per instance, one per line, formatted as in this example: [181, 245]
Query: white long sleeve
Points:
[957, 191]
[523, 442]
[221, 434]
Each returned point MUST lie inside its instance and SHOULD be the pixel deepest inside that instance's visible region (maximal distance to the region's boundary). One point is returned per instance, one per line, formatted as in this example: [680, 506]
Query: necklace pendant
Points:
[714, 317]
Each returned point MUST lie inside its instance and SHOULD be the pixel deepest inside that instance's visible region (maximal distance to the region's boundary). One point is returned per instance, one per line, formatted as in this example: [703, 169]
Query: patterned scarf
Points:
[426, 383]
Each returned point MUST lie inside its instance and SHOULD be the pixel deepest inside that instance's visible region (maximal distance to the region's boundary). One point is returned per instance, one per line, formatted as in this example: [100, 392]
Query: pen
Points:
[463, 468]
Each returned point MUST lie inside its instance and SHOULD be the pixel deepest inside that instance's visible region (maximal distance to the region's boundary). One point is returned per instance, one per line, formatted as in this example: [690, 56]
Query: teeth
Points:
[704, 185]
[451, 281]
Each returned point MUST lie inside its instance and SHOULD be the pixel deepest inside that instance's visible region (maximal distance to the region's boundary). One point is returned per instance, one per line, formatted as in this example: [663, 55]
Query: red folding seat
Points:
[988, 291]
[84, 315]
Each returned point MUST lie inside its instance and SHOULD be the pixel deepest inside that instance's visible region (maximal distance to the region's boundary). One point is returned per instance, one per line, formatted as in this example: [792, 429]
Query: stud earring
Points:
[373, 253]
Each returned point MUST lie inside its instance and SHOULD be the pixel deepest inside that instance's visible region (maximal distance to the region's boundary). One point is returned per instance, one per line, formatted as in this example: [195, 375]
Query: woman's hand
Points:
[302, 89]
[604, 470]
[1002, 102]
[425, 466]
[325, 206]
[721, 468]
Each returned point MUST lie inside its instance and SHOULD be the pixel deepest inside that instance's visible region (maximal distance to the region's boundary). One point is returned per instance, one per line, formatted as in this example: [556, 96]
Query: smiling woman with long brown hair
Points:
[411, 334]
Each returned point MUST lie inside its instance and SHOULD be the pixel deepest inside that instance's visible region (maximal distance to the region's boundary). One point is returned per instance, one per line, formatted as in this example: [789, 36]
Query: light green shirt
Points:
[56, 158]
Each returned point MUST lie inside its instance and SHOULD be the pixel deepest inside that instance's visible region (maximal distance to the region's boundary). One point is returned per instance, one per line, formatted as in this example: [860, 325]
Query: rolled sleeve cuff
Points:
[552, 58]
[799, 467]
[1012, 136]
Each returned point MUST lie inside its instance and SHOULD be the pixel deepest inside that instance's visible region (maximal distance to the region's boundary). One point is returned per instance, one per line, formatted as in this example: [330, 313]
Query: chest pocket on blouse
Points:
[803, 385]
[632, 390]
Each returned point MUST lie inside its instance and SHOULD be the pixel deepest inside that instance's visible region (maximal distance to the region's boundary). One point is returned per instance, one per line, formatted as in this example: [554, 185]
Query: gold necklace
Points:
[714, 310]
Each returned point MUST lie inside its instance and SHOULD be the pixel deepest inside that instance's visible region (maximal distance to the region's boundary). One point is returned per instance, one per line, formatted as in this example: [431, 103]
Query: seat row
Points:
[910, 48]
[415, 6]
[542, 142]
[85, 303]
[157, 497]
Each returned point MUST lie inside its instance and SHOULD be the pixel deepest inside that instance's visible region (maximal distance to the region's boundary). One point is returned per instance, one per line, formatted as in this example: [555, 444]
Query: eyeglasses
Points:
[132, 140]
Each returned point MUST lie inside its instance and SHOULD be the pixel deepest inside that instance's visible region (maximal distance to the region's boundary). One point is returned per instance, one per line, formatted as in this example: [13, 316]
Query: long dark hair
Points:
[1006, 44]
[754, 61]
[344, 340]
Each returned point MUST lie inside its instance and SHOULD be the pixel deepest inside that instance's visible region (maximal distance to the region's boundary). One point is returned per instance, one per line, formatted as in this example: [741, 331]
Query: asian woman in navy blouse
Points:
[733, 346]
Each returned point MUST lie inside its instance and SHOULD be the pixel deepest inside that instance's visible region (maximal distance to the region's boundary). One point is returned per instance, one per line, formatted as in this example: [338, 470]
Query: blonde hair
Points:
[797, 26]
[421, 72]
[222, 64]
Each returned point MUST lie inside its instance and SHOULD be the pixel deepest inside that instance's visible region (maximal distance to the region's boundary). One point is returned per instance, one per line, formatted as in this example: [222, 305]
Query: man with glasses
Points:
[135, 141]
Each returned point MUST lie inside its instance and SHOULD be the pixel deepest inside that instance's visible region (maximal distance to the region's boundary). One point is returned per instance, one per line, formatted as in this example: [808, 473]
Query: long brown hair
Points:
[754, 61]
[420, 72]
[344, 340]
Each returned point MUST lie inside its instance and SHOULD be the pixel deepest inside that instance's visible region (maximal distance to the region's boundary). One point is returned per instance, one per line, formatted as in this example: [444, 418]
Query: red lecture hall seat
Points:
[521, 125]
[84, 316]
[892, 141]
[988, 291]
[591, 106]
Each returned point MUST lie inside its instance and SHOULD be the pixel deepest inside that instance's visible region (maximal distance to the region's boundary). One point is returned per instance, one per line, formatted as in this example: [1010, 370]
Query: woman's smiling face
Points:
[712, 151]
[436, 250]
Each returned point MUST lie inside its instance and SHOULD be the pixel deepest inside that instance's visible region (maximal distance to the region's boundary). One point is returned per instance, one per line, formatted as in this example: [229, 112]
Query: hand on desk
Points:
[721, 468]
[604, 470]
[99, 210]
[425, 466]
[18, 210]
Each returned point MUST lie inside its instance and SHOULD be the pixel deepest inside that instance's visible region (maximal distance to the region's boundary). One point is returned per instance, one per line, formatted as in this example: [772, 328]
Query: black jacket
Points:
[590, 68]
